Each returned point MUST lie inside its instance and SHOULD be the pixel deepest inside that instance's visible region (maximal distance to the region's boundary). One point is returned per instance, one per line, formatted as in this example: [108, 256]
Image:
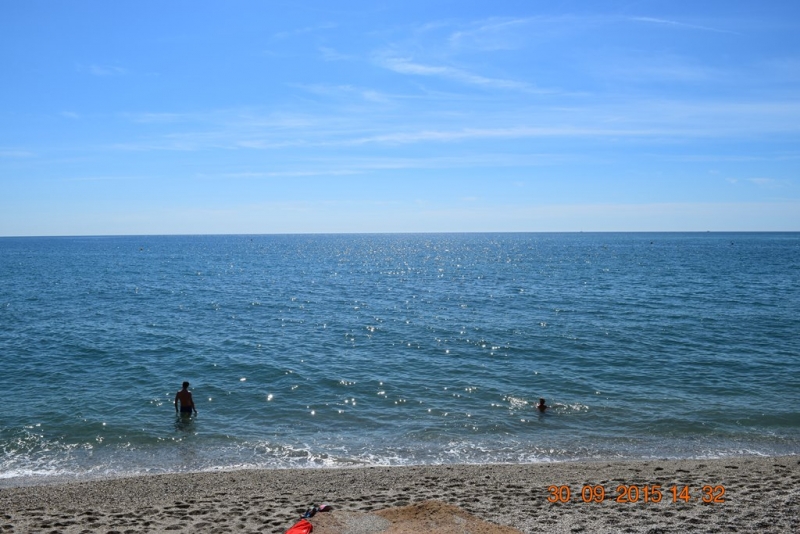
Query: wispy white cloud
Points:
[103, 70]
[304, 30]
[14, 153]
[518, 132]
[769, 183]
[407, 66]
[367, 121]
[678, 24]
[493, 34]
[355, 165]
[329, 54]
[158, 117]
[761, 182]
[346, 91]
[283, 174]
[628, 68]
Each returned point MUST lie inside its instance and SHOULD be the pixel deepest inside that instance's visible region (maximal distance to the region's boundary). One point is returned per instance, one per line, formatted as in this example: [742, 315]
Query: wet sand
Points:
[760, 495]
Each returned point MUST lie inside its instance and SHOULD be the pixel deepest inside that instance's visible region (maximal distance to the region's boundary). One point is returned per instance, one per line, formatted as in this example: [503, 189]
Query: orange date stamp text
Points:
[633, 493]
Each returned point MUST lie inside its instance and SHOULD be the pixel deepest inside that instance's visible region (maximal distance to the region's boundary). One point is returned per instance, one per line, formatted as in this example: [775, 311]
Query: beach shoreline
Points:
[751, 493]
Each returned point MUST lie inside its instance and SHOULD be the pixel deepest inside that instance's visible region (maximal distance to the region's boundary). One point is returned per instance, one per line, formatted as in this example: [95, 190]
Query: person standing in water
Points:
[184, 396]
[541, 406]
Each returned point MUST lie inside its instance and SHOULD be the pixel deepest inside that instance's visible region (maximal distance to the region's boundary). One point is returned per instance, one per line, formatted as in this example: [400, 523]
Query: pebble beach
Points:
[745, 494]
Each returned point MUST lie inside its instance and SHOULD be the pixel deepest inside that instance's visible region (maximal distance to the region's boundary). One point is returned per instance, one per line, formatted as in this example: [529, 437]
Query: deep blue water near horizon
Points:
[341, 350]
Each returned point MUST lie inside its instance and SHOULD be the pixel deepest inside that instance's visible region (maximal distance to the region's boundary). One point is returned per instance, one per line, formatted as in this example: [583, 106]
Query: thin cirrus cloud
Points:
[15, 153]
[329, 54]
[492, 133]
[769, 183]
[305, 30]
[637, 69]
[637, 121]
[102, 70]
[493, 35]
[345, 92]
[678, 24]
[407, 66]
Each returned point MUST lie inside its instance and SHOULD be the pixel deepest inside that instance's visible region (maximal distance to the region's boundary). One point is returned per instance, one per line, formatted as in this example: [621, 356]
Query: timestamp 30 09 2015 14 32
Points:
[632, 493]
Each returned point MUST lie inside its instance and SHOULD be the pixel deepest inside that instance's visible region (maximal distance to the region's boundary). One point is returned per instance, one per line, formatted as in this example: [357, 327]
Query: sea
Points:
[308, 351]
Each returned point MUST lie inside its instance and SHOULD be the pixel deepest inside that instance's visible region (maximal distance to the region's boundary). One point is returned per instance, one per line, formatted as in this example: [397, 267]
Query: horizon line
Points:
[433, 232]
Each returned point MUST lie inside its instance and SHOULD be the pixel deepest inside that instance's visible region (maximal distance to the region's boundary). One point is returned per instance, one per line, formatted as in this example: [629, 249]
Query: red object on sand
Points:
[301, 527]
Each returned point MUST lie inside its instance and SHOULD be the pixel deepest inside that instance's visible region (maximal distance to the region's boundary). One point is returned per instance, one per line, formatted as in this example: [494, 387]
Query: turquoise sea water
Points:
[338, 350]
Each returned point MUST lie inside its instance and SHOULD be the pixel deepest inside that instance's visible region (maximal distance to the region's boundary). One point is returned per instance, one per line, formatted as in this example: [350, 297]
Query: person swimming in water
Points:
[541, 406]
[184, 396]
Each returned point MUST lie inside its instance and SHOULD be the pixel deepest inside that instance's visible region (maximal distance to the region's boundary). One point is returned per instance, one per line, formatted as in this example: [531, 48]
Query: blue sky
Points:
[284, 117]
